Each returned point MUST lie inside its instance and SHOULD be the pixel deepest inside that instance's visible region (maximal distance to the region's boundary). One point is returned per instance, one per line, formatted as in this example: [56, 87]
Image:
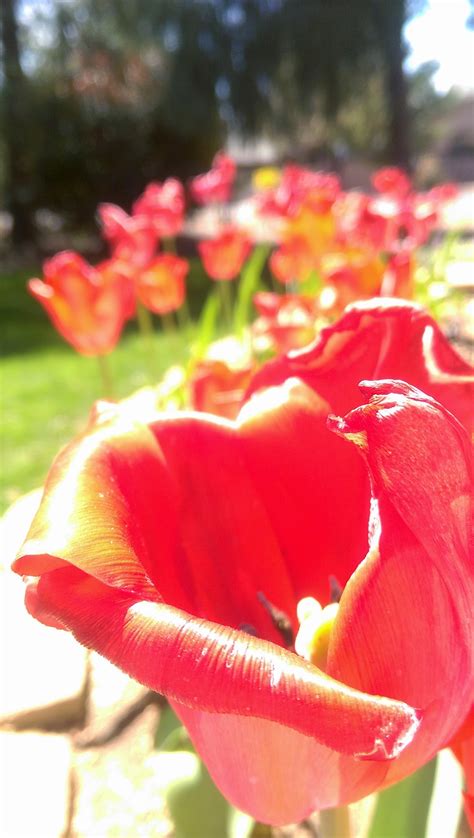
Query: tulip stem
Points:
[184, 318]
[169, 326]
[226, 302]
[105, 377]
[145, 325]
[335, 823]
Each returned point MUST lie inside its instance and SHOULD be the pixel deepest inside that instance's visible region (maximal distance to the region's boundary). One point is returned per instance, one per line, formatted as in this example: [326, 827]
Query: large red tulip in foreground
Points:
[181, 548]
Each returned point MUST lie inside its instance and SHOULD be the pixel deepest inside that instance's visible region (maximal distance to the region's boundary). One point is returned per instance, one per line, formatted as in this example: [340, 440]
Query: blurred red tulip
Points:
[293, 261]
[132, 239]
[217, 387]
[87, 305]
[392, 181]
[285, 321]
[160, 287]
[396, 219]
[215, 186]
[224, 256]
[298, 186]
[163, 206]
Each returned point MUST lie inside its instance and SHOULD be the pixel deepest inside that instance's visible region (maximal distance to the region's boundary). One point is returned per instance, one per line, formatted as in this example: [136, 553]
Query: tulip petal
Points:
[99, 509]
[374, 339]
[463, 747]
[224, 529]
[209, 667]
[320, 520]
[417, 567]
[273, 771]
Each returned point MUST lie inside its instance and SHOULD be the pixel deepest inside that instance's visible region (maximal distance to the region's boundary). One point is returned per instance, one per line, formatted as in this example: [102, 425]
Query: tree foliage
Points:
[115, 94]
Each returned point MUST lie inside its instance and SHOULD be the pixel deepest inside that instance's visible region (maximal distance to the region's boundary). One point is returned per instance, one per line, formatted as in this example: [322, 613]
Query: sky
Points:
[440, 34]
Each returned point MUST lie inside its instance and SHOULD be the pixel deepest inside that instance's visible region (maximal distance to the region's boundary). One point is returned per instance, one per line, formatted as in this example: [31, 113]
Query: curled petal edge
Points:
[218, 669]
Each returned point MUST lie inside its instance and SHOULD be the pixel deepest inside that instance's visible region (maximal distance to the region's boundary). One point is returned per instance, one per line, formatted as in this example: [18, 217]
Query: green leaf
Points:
[248, 285]
[312, 285]
[402, 810]
[207, 324]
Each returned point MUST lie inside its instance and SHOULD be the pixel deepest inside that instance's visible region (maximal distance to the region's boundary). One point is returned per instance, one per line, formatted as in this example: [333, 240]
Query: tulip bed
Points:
[275, 535]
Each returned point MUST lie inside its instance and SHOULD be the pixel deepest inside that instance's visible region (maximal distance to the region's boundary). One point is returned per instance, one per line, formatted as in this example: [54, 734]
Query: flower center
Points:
[314, 633]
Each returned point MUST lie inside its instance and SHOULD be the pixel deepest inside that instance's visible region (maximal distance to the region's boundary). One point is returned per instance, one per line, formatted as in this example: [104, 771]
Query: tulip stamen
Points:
[280, 620]
[335, 589]
[248, 628]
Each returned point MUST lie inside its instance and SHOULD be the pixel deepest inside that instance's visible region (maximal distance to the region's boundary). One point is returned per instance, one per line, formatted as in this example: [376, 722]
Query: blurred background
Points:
[98, 97]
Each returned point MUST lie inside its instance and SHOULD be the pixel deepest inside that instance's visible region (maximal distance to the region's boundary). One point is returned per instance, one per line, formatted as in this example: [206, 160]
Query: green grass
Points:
[47, 389]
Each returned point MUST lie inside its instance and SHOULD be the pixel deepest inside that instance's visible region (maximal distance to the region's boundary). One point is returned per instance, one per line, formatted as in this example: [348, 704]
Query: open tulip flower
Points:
[199, 554]
[87, 305]
[133, 239]
[285, 321]
[299, 186]
[218, 387]
[224, 256]
[160, 287]
[215, 186]
[163, 205]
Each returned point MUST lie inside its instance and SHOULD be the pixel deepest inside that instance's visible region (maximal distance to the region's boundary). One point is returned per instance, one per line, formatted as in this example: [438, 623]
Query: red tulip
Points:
[215, 186]
[286, 321]
[132, 239]
[180, 549]
[224, 256]
[218, 388]
[161, 286]
[87, 305]
[163, 205]
[395, 218]
[298, 186]
[392, 181]
[378, 338]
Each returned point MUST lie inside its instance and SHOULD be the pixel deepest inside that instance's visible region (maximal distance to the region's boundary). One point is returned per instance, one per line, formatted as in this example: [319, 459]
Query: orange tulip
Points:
[87, 305]
[224, 256]
[161, 286]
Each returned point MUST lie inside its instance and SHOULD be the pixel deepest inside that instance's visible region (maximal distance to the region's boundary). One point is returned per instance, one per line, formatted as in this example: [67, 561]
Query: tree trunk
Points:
[389, 18]
[15, 129]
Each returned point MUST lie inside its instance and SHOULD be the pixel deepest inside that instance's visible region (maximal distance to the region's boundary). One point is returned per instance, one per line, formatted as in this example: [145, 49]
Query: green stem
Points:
[226, 302]
[184, 318]
[105, 377]
[169, 244]
[145, 325]
[335, 823]
[169, 325]
[145, 322]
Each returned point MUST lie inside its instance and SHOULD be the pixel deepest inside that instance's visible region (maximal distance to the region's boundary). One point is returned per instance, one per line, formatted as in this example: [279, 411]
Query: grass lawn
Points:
[47, 388]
